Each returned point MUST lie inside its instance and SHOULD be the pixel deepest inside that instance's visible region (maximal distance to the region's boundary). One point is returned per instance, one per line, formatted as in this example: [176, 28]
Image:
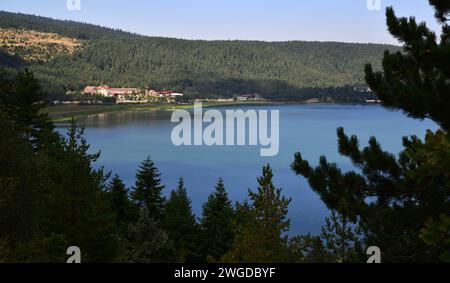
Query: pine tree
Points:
[180, 224]
[22, 99]
[269, 207]
[120, 203]
[63, 201]
[147, 242]
[416, 80]
[148, 189]
[19, 190]
[394, 198]
[435, 233]
[308, 249]
[317, 252]
[217, 223]
[77, 206]
[342, 241]
[261, 238]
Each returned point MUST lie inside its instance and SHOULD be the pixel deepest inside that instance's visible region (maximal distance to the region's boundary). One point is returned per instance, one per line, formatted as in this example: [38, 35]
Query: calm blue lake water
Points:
[125, 139]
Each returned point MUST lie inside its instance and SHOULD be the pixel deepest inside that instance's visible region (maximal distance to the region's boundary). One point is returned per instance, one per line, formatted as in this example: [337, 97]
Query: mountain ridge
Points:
[9, 14]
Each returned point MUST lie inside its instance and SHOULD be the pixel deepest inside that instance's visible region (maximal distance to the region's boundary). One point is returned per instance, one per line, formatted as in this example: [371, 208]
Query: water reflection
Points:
[114, 119]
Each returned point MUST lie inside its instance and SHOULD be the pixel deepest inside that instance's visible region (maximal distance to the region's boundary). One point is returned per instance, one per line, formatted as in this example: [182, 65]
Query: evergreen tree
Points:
[120, 203]
[19, 190]
[148, 189]
[62, 202]
[261, 238]
[180, 223]
[435, 234]
[22, 99]
[416, 80]
[77, 205]
[217, 223]
[308, 249]
[395, 198]
[342, 241]
[317, 252]
[147, 242]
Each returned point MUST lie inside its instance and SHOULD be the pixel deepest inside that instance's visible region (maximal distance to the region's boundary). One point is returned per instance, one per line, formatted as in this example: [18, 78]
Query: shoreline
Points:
[65, 113]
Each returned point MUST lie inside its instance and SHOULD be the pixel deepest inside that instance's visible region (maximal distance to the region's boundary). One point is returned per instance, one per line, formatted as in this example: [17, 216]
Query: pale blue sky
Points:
[269, 20]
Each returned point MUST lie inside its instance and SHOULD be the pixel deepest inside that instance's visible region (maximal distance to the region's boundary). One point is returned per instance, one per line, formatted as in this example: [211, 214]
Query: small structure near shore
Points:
[248, 97]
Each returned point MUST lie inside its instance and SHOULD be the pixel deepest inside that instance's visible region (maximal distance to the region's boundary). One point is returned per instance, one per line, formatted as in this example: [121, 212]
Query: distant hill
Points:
[294, 70]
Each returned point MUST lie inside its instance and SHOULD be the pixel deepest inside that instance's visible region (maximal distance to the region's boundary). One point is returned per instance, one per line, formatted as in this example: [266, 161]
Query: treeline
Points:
[276, 70]
[51, 198]
[82, 31]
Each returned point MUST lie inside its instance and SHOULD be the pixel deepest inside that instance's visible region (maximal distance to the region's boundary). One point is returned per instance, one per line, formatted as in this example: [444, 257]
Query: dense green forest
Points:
[52, 197]
[277, 70]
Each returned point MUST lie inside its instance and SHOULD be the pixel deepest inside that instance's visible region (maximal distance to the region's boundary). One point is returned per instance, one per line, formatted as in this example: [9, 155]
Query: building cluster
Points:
[109, 91]
[124, 93]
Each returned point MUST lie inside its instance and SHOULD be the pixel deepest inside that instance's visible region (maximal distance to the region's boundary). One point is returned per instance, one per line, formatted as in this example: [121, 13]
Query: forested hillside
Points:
[278, 70]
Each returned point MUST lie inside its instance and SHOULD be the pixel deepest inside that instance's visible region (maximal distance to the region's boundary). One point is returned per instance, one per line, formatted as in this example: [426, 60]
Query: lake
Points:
[126, 138]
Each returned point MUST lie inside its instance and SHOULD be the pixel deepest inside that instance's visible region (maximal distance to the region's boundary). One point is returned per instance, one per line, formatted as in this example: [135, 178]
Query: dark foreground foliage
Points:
[401, 202]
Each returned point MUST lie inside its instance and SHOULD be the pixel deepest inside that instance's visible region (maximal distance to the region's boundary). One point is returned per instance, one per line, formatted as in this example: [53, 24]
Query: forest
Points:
[52, 197]
[293, 70]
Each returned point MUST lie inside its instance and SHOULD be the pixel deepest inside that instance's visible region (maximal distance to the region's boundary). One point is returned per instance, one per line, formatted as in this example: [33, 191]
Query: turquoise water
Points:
[125, 139]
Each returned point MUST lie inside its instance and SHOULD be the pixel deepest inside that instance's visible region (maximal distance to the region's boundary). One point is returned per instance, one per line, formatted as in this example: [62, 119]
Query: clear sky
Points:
[269, 20]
